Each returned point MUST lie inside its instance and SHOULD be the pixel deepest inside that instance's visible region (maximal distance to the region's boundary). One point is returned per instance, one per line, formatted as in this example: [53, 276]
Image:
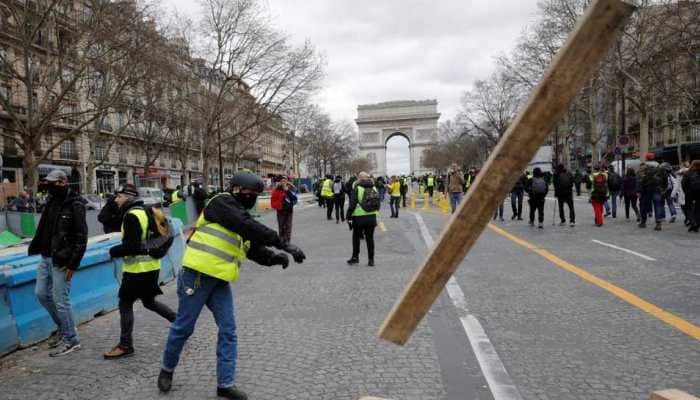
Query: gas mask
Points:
[58, 191]
[247, 200]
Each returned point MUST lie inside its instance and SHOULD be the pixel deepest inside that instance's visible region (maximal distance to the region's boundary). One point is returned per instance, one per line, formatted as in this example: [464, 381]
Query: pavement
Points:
[310, 332]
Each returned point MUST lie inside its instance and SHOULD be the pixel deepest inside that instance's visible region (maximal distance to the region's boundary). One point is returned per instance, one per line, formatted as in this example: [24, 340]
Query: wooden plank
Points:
[672, 394]
[570, 69]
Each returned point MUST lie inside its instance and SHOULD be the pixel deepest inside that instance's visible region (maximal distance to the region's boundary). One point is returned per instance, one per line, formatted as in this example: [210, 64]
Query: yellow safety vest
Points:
[142, 263]
[214, 250]
[359, 211]
[327, 188]
[175, 197]
[431, 181]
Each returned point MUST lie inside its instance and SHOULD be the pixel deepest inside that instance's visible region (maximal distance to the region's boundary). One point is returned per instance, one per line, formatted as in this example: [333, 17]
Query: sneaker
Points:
[353, 261]
[232, 393]
[532, 223]
[562, 223]
[673, 219]
[370, 263]
[572, 224]
[520, 218]
[658, 226]
[513, 217]
[119, 352]
[65, 350]
[540, 226]
[55, 339]
[165, 381]
[642, 225]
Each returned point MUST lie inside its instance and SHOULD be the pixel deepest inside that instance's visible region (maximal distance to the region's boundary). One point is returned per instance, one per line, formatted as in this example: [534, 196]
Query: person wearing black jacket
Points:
[516, 198]
[61, 239]
[361, 223]
[110, 216]
[563, 191]
[140, 276]
[199, 196]
[630, 192]
[578, 179]
[614, 186]
[225, 235]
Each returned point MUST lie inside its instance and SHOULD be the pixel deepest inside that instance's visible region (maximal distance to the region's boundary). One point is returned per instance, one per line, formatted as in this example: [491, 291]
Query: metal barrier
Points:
[23, 321]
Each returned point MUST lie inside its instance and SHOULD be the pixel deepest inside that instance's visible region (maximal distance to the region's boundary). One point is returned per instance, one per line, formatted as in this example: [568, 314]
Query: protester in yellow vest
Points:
[225, 235]
[430, 184]
[327, 195]
[361, 222]
[395, 196]
[140, 271]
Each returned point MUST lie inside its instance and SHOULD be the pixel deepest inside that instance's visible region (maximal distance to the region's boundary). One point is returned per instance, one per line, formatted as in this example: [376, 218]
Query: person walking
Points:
[199, 196]
[405, 181]
[362, 219]
[599, 194]
[140, 271]
[630, 192]
[563, 191]
[455, 185]
[339, 199]
[678, 193]
[668, 180]
[469, 178]
[537, 193]
[516, 198]
[614, 188]
[327, 195]
[650, 179]
[225, 235]
[283, 200]
[60, 240]
[394, 196]
[110, 216]
[380, 184]
[430, 185]
[691, 188]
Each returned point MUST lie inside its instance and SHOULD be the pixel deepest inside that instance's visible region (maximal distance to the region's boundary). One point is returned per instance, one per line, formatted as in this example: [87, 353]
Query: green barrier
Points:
[27, 224]
[179, 210]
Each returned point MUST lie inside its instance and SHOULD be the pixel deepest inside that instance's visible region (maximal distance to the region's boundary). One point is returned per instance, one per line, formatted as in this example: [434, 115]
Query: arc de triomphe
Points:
[417, 121]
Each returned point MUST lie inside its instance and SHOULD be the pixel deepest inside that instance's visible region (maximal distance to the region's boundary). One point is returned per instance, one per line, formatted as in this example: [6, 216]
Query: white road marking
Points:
[502, 387]
[612, 246]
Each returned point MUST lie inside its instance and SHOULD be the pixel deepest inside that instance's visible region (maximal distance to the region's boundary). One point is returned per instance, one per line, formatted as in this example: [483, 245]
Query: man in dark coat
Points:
[61, 239]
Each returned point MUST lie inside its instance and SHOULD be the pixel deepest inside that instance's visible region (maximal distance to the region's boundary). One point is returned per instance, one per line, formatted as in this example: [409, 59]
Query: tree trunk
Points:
[643, 133]
[88, 179]
[31, 172]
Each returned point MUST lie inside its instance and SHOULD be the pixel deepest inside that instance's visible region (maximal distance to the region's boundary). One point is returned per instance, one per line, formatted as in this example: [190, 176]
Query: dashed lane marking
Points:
[500, 384]
[671, 319]
[612, 246]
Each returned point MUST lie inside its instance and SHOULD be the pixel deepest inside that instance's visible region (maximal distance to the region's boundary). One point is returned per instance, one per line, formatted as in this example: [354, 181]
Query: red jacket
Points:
[277, 198]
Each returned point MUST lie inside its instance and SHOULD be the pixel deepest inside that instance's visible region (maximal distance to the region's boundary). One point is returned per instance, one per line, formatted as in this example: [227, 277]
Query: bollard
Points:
[444, 206]
[413, 200]
[426, 201]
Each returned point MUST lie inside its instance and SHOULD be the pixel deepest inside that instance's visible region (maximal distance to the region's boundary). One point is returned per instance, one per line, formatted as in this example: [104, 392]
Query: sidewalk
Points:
[308, 332]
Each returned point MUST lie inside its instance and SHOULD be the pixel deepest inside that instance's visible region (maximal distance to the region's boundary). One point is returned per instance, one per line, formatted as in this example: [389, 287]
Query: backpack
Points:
[565, 181]
[289, 201]
[539, 186]
[370, 200]
[600, 187]
[160, 233]
[614, 182]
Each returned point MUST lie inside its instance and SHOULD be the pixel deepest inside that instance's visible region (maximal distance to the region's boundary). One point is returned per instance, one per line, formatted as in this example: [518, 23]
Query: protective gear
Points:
[327, 188]
[359, 211]
[58, 191]
[247, 200]
[141, 263]
[214, 250]
[175, 197]
[280, 259]
[296, 252]
[247, 180]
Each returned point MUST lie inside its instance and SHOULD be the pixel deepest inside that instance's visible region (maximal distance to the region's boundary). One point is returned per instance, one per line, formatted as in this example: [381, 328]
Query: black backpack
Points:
[539, 186]
[160, 233]
[614, 182]
[370, 200]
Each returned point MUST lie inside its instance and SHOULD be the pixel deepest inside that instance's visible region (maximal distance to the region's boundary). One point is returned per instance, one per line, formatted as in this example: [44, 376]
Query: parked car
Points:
[93, 201]
[151, 196]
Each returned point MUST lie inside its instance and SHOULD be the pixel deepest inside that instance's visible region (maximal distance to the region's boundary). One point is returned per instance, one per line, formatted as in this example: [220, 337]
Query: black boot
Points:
[165, 381]
[370, 263]
[231, 393]
[353, 261]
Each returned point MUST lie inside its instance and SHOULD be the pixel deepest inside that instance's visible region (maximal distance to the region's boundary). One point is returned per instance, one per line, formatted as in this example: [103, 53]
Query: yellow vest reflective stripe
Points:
[431, 181]
[215, 251]
[359, 211]
[141, 263]
[327, 188]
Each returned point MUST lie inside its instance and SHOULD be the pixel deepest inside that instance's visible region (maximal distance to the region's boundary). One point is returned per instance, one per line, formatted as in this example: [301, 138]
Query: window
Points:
[101, 153]
[195, 165]
[122, 155]
[68, 150]
[9, 146]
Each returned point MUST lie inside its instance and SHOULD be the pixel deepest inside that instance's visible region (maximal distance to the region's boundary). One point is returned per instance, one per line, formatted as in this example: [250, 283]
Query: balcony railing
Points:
[69, 155]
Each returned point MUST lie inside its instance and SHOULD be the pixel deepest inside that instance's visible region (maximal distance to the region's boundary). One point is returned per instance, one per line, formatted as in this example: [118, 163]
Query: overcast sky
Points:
[382, 50]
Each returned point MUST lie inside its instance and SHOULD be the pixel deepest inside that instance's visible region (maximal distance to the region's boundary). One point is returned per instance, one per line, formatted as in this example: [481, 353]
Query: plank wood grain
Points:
[570, 69]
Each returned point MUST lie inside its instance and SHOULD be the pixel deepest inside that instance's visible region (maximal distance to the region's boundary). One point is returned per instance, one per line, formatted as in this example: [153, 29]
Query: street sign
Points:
[618, 151]
[623, 140]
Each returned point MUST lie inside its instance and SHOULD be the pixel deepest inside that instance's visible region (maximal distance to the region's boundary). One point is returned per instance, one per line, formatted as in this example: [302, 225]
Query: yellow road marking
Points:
[381, 226]
[671, 319]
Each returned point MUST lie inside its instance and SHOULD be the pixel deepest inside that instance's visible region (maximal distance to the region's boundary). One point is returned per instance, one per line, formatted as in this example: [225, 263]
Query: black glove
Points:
[350, 224]
[280, 259]
[296, 252]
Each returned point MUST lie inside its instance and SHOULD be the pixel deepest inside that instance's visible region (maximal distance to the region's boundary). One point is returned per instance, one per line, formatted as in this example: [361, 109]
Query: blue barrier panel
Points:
[23, 321]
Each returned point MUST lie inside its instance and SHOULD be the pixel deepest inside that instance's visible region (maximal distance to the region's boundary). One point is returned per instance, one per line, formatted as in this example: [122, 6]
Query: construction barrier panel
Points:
[23, 321]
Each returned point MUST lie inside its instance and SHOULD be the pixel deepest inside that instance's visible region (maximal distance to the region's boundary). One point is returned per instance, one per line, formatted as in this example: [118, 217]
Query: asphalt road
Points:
[564, 316]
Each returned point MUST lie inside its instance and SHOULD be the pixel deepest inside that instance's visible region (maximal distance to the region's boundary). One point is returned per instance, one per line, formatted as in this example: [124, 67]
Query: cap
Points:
[56, 175]
[129, 189]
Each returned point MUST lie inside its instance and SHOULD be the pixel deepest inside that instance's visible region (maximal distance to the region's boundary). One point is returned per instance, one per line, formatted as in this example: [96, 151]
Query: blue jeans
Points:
[217, 296]
[671, 207]
[649, 199]
[455, 199]
[613, 200]
[53, 292]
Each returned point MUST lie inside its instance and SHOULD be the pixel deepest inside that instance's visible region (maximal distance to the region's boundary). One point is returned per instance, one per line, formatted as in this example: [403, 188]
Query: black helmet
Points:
[247, 180]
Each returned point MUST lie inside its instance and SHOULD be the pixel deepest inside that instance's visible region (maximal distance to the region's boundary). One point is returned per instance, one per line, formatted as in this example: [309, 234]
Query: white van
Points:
[151, 196]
